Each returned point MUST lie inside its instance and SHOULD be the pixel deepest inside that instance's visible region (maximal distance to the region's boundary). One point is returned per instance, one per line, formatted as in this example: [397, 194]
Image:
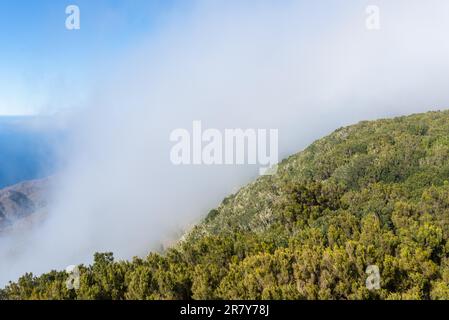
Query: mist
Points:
[305, 69]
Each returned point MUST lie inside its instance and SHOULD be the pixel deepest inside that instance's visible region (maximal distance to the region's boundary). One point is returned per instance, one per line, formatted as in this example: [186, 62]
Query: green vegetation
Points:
[376, 193]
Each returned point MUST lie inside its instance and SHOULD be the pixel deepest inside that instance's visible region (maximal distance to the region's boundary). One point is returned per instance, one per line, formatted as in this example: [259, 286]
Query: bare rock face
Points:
[21, 201]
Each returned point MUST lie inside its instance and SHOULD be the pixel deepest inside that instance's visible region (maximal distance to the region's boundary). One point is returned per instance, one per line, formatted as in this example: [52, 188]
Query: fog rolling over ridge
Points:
[302, 68]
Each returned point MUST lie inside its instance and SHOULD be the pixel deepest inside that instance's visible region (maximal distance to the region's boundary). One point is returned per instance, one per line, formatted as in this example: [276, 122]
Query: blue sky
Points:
[44, 67]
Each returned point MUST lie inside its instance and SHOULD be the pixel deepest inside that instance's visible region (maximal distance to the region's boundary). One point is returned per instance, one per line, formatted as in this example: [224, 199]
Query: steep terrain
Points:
[372, 194]
[22, 201]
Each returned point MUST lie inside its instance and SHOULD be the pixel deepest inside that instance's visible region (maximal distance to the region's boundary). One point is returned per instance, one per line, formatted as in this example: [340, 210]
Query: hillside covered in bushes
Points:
[375, 193]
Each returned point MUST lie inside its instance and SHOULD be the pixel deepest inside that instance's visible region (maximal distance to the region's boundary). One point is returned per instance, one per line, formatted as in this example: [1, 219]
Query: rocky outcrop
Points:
[21, 201]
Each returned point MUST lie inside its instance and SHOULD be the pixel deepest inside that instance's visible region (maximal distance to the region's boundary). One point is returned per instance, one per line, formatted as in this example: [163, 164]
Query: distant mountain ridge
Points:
[21, 201]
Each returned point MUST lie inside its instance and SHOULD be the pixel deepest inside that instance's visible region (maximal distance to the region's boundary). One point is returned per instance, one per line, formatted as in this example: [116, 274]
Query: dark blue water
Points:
[28, 149]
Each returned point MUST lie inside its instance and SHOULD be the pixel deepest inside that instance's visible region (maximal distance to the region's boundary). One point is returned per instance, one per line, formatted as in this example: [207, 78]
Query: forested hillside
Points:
[375, 193]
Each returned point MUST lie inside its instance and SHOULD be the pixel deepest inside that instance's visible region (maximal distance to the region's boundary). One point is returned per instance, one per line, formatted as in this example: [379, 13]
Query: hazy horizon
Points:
[27, 152]
[300, 67]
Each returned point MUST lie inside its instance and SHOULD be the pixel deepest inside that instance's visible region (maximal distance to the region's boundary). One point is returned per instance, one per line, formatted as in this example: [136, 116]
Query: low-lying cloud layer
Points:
[299, 67]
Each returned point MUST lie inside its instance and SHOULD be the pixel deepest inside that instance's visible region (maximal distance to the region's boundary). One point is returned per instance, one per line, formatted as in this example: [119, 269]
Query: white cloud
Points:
[293, 66]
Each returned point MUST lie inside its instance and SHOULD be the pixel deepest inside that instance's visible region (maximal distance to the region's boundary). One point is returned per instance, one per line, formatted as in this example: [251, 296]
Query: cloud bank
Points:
[299, 67]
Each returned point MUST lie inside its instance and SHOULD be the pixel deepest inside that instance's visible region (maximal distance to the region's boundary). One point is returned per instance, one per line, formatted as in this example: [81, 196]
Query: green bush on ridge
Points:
[375, 193]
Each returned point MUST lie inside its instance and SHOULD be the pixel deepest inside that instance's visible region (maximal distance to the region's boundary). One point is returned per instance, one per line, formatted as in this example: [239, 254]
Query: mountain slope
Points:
[372, 194]
[411, 151]
[22, 201]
